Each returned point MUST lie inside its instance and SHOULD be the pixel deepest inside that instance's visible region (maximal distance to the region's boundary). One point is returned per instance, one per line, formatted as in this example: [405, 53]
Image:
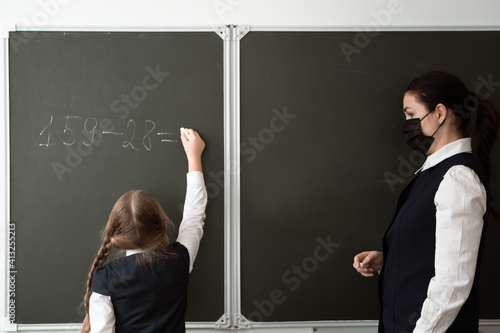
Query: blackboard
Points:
[322, 158]
[71, 94]
[321, 148]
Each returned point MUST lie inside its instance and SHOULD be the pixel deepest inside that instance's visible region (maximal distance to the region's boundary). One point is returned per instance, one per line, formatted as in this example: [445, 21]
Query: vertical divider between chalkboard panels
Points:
[232, 318]
[234, 188]
[225, 33]
[239, 320]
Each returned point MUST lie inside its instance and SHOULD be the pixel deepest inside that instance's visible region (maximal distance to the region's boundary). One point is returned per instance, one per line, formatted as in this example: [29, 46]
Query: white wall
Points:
[148, 13]
[143, 14]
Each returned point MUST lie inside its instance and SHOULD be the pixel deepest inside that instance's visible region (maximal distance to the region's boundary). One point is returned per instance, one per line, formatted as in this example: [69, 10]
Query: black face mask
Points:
[412, 130]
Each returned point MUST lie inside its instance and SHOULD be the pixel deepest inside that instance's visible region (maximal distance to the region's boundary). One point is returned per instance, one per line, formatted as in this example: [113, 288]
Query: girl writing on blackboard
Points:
[146, 291]
[432, 250]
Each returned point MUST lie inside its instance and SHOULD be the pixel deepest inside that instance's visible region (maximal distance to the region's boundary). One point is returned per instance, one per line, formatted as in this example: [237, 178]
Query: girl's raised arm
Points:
[191, 228]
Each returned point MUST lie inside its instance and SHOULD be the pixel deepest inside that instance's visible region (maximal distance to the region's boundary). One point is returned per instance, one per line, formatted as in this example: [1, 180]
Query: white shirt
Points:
[102, 316]
[460, 205]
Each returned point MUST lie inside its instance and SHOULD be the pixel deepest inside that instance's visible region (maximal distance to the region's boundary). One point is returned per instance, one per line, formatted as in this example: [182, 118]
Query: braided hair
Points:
[137, 221]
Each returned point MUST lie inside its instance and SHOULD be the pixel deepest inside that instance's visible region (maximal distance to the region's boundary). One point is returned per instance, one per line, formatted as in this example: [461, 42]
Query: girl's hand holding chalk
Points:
[193, 146]
[183, 130]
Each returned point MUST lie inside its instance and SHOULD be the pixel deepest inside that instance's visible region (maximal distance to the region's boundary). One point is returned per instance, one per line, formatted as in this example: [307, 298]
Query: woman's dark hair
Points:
[436, 87]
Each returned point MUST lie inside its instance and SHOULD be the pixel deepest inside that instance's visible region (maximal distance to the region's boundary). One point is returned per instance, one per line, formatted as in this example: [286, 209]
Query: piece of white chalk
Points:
[364, 265]
[186, 132]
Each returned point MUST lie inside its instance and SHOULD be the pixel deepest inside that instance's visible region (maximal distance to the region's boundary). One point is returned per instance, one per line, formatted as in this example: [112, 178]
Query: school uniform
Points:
[432, 249]
[129, 298]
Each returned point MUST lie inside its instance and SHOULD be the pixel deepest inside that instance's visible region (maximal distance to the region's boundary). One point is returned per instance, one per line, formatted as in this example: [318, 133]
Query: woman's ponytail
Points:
[100, 259]
[485, 132]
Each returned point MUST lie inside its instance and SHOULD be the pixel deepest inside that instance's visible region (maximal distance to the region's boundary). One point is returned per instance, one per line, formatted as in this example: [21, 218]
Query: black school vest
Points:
[146, 300]
[409, 251]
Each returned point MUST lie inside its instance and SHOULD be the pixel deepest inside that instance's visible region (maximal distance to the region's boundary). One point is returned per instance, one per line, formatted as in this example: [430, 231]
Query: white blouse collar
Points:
[131, 252]
[453, 148]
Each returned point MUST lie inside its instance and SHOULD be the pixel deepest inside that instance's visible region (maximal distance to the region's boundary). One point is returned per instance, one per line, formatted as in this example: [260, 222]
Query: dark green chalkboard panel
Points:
[321, 149]
[79, 90]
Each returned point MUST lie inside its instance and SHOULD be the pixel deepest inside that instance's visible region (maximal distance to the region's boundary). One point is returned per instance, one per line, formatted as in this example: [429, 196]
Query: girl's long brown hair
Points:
[137, 221]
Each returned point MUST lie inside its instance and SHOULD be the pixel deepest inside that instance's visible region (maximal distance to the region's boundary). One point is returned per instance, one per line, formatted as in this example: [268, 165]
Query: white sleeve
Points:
[460, 206]
[191, 228]
[101, 314]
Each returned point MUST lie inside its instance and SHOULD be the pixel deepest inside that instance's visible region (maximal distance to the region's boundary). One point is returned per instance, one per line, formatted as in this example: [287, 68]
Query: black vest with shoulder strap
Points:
[409, 251]
[146, 299]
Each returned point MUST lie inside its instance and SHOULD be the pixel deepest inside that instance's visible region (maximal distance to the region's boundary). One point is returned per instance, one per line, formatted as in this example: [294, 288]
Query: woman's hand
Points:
[373, 258]
[193, 148]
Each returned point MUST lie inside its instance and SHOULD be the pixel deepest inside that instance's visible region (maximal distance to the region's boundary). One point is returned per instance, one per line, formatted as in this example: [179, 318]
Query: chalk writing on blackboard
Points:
[68, 129]
[90, 130]
[93, 132]
[48, 128]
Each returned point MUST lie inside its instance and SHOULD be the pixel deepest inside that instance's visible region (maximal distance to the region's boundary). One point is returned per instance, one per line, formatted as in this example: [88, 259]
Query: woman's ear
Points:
[442, 112]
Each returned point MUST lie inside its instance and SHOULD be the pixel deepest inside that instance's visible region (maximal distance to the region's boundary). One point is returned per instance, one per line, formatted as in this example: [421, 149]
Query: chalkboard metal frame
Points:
[232, 317]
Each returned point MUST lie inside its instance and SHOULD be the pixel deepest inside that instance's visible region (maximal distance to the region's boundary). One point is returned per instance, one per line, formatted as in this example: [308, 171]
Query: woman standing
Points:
[431, 252]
